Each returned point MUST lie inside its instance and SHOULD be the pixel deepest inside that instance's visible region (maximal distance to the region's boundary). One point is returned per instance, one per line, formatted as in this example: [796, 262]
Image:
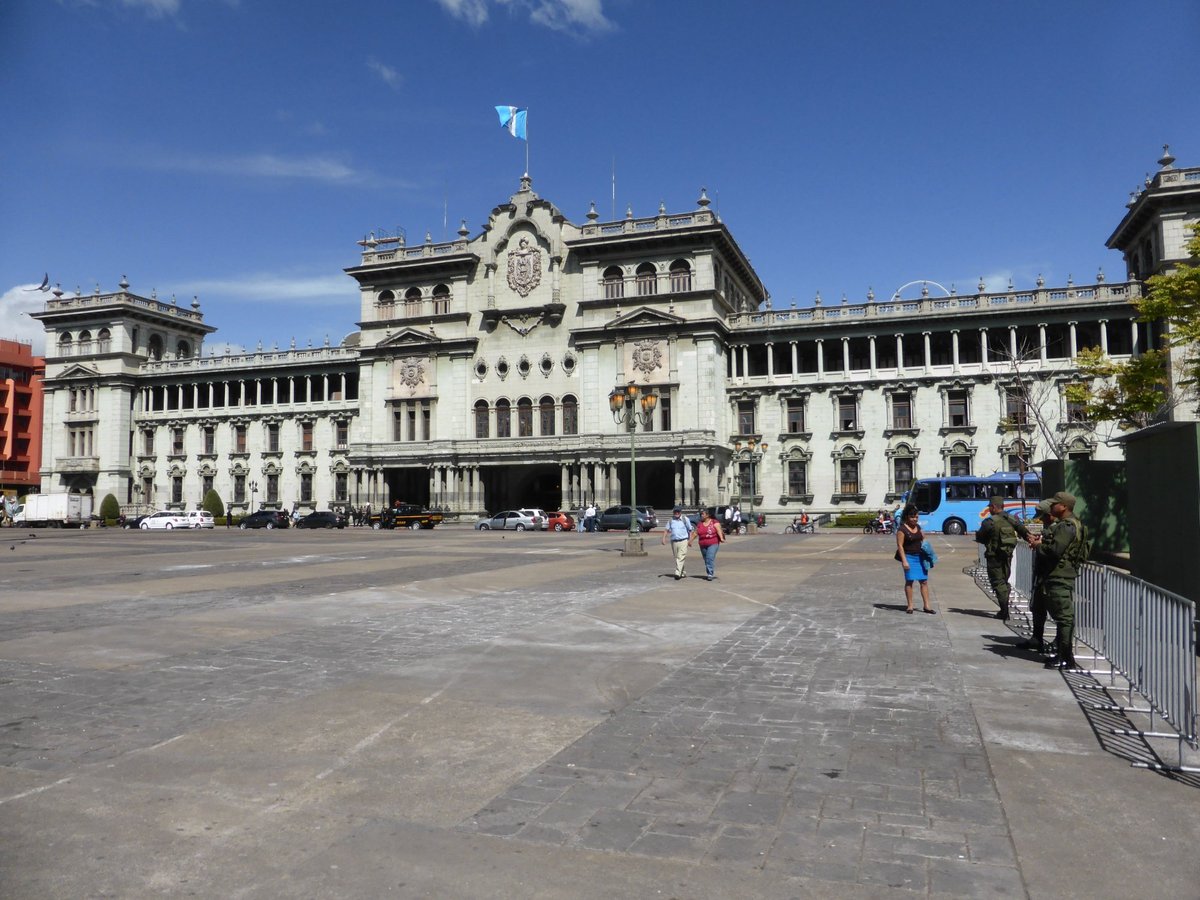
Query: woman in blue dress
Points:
[909, 538]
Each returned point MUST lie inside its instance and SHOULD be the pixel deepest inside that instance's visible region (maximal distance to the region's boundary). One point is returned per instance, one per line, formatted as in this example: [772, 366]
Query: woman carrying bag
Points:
[916, 564]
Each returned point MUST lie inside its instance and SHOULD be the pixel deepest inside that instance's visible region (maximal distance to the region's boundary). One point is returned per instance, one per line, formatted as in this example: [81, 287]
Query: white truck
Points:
[55, 510]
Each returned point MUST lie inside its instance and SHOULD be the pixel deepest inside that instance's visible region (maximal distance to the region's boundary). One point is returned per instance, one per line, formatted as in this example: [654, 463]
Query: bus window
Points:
[960, 491]
[926, 495]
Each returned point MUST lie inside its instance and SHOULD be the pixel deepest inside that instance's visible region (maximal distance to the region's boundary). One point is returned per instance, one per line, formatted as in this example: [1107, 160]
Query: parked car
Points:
[133, 521]
[322, 519]
[265, 518]
[616, 518]
[512, 520]
[167, 519]
[405, 515]
[560, 521]
[199, 518]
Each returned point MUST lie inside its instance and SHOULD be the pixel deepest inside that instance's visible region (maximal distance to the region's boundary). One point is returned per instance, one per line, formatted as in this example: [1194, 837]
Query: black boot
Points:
[1036, 643]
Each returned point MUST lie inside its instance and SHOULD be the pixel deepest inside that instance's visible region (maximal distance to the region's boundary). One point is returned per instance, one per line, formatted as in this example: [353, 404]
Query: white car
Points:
[200, 518]
[167, 519]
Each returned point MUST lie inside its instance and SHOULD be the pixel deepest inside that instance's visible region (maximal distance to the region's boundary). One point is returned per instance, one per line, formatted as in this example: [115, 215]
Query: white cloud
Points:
[267, 287]
[156, 9]
[584, 16]
[270, 165]
[387, 74]
[473, 12]
[15, 323]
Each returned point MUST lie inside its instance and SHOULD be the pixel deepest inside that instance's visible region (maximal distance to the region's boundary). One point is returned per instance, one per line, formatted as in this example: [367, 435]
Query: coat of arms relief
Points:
[410, 373]
[524, 268]
[647, 357]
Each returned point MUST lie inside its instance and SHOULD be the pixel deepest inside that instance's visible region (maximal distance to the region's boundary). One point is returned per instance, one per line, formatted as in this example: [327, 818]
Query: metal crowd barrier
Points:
[1148, 637]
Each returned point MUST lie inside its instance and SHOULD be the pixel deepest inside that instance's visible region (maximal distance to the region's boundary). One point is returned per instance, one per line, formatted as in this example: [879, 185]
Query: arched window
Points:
[387, 304]
[85, 341]
[155, 347]
[903, 466]
[681, 276]
[412, 302]
[647, 280]
[546, 416]
[1017, 456]
[570, 408]
[183, 350]
[503, 419]
[614, 283]
[482, 425]
[104, 339]
[959, 459]
[524, 417]
[441, 300]
[65, 346]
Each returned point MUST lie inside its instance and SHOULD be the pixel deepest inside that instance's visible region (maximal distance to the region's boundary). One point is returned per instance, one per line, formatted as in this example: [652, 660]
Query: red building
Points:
[21, 375]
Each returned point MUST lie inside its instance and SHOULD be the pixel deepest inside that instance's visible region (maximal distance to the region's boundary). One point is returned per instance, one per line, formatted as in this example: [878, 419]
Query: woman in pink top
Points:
[711, 535]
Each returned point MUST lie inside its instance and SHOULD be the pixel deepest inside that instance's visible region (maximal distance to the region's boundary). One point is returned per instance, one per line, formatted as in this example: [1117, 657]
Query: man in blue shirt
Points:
[677, 531]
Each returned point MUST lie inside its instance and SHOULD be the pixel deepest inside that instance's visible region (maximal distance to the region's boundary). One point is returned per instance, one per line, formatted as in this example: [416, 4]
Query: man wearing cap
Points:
[999, 533]
[677, 532]
[1061, 553]
[1037, 601]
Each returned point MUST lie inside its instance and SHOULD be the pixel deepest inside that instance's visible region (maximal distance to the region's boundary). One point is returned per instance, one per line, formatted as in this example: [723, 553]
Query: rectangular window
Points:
[745, 411]
[847, 416]
[426, 422]
[848, 473]
[901, 411]
[746, 485]
[797, 473]
[177, 441]
[1076, 412]
[206, 485]
[546, 419]
[341, 485]
[411, 417]
[503, 420]
[1016, 410]
[525, 420]
[148, 442]
[570, 417]
[273, 488]
[902, 473]
[239, 438]
[210, 439]
[177, 489]
[273, 437]
[664, 404]
[306, 436]
[306, 487]
[795, 415]
[239, 488]
[481, 422]
[956, 409]
[341, 434]
[398, 425]
[960, 465]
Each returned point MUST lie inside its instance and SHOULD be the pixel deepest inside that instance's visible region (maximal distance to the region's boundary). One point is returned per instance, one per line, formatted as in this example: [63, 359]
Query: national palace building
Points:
[480, 372]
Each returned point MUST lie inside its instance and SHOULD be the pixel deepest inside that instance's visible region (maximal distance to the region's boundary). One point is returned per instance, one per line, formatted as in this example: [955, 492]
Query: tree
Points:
[212, 503]
[1139, 392]
[110, 509]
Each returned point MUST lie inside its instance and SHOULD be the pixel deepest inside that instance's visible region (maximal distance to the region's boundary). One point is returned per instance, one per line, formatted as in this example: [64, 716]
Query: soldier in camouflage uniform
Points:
[999, 534]
[1037, 600]
[1062, 553]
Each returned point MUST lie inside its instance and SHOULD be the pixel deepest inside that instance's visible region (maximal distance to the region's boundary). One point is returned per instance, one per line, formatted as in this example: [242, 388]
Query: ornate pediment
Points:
[78, 371]
[410, 337]
[645, 316]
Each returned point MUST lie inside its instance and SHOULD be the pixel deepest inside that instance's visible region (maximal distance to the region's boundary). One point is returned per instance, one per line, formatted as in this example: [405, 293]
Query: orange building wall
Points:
[21, 409]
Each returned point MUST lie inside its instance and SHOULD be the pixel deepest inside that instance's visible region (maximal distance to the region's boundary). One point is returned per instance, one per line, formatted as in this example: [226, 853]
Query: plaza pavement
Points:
[454, 714]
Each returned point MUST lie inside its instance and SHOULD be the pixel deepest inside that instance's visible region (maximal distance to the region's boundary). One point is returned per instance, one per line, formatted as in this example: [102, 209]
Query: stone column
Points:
[1134, 349]
[899, 354]
[871, 350]
[564, 487]
[928, 353]
[1012, 342]
[1042, 343]
[845, 357]
[795, 361]
[954, 347]
[614, 485]
[820, 359]
[1074, 349]
[745, 360]
[770, 361]
[1104, 336]
[983, 349]
[434, 486]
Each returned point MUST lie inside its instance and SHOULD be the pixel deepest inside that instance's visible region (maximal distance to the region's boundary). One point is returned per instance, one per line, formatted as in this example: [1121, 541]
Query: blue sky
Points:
[237, 149]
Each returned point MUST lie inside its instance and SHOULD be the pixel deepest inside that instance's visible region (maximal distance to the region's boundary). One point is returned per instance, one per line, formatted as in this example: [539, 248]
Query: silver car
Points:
[513, 520]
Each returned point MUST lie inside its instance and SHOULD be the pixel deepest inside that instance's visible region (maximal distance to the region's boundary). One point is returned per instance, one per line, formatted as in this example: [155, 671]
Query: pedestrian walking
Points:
[710, 535]
[999, 534]
[678, 532]
[909, 538]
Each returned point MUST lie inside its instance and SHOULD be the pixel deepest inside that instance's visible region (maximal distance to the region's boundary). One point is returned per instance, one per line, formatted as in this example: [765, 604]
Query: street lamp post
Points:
[253, 485]
[753, 453]
[624, 403]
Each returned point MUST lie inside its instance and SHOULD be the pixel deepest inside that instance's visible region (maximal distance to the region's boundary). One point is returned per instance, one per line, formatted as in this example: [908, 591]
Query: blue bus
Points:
[956, 504]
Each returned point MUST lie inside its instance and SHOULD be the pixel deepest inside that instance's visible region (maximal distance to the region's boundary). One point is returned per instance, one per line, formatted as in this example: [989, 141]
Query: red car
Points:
[559, 521]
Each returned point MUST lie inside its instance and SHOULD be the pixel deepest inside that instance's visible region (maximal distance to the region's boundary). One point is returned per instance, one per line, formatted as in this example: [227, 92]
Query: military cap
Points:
[1067, 500]
[1043, 507]
[996, 500]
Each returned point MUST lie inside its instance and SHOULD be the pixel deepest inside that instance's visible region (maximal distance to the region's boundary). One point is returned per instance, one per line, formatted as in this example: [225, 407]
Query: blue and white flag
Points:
[512, 120]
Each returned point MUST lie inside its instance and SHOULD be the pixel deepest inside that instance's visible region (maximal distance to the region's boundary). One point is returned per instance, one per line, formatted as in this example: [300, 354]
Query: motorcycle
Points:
[887, 526]
[798, 527]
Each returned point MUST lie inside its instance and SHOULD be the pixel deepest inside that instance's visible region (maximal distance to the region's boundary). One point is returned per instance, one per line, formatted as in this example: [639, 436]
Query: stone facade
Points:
[480, 377]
